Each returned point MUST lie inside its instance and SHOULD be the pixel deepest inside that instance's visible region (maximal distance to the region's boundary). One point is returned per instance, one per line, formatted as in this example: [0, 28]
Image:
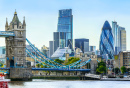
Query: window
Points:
[20, 32]
[20, 52]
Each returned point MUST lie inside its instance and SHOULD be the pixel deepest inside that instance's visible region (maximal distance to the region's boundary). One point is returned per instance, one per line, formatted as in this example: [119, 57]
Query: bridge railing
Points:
[53, 64]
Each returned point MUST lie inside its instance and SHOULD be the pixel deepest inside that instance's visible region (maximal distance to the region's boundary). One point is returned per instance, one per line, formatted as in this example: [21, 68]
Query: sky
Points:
[88, 18]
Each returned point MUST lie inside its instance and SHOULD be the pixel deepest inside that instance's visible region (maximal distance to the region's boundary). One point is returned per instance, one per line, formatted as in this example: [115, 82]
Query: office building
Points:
[51, 48]
[106, 42]
[59, 40]
[83, 44]
[123, 39]
[92, 48]
[65, 24]
[119, 35]
[123, 59]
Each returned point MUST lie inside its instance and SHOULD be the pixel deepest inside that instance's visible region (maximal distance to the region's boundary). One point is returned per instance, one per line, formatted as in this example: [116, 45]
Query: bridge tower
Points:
[15, 49]
[15, 46]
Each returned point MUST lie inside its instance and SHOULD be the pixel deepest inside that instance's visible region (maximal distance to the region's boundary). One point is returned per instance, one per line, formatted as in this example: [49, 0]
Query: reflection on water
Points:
[39, 83]
[17, 83]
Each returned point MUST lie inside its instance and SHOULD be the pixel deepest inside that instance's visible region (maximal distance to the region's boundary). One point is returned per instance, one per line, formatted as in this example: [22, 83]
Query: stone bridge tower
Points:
[15, 50]
[16, 46]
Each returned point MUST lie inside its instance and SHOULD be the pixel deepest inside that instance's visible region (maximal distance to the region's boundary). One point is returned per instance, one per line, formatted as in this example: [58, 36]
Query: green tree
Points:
[101, 67]
[123, 69]
[59, 61]
[72, 60]
[38, 65]
[1, 65]
[116, 70]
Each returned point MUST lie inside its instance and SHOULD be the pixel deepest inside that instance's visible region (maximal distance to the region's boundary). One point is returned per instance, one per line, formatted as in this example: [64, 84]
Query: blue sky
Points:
[88, 17]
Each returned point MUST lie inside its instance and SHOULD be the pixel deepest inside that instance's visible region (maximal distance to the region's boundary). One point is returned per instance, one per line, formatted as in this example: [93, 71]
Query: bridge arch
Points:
[11, 63]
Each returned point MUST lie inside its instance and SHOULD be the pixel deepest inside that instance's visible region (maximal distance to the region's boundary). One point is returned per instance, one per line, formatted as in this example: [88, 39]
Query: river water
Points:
[38, 83]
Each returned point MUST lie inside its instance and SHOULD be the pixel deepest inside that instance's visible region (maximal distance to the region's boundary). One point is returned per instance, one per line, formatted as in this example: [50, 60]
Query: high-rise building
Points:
[65, 24]
[123, 39]
[51, 48]
[92, 48]
[106, 42]
[59, 40]
[119, 37]
[116, 35]
[83, 44]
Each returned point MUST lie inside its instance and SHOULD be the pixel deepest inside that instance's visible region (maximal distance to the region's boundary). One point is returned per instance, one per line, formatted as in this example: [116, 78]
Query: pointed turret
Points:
[15, 20]
[24, 24]
[6, 25]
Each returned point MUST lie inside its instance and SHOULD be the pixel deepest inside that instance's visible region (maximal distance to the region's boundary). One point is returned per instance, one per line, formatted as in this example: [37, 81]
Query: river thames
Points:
[39, 83]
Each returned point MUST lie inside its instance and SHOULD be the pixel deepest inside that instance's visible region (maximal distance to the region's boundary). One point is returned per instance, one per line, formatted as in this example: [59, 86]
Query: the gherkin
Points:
[106, 44]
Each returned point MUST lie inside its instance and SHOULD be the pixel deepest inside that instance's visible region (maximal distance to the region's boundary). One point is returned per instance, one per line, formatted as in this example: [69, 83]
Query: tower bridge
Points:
[16, 52]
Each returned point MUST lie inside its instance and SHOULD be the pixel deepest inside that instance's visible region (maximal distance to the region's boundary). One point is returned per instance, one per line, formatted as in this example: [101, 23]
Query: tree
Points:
[72, 60]
[116, 70]
[59, 61]
[101, 67]
[38, 65]
[123, 69]
[1, 65]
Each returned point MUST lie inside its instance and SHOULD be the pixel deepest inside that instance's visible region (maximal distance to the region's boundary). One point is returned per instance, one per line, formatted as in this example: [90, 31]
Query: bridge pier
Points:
[20, 74]
[93, 66]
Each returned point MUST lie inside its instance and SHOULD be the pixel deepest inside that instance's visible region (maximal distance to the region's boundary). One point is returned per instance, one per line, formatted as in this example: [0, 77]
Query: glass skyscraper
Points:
[65, 24]
[83, 44]
[119, 35]
[116, 35]
[92, 48]
[106, 42]
[59, 40]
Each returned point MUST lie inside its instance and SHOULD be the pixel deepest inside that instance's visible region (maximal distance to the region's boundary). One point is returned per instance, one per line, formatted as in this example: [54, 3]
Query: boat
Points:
[3, 81]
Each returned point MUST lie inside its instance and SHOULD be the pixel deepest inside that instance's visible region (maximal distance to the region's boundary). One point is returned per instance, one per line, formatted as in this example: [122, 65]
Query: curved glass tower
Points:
[106, 42]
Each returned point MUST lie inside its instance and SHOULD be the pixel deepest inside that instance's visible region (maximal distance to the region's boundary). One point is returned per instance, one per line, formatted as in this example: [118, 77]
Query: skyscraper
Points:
[83, 44]
[119, 39]
[123, 39]
[92, 48]
[51, 48]
[65, 24]
[106, 42]
[59, 40]
[116, 35]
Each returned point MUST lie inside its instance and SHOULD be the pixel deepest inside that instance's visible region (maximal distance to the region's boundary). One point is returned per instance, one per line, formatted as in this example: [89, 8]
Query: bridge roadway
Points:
[6, 33]
[52, 69]
[59, 69]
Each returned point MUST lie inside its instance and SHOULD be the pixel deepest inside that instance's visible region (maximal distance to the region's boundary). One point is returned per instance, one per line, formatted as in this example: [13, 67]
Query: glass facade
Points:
[92, 48]
[106, 42]
[59, 40]
[116, 35]
[51, 48]
[119, 39]
[83, 44]
[65, 24]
